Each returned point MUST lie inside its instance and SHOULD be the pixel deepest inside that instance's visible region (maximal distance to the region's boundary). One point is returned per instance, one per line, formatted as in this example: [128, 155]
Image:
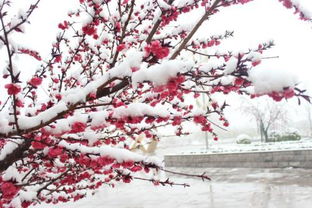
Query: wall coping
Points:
[243, 152]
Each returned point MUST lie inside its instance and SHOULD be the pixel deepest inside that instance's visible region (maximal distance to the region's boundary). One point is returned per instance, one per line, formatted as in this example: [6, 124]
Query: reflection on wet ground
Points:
[257, 188]
[229, 188]
[286, 176]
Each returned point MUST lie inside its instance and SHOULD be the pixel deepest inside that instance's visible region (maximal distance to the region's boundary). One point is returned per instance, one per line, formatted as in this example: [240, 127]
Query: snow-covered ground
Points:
[245, 188]
[230, 146]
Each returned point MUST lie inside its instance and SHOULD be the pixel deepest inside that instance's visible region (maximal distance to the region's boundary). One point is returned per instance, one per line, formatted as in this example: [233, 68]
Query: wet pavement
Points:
[229, 188]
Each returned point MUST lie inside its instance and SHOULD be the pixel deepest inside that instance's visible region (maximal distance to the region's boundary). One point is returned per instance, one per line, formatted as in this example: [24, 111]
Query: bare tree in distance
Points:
[308, 125]
[267, 114]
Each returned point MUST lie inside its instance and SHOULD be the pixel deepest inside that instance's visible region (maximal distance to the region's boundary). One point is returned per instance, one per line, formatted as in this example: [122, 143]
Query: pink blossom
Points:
[255, 63]
[8, 190]
[121, 47]
[35, 81]
[54, 152]
[13, 89]
[89, 30]
[78, 127]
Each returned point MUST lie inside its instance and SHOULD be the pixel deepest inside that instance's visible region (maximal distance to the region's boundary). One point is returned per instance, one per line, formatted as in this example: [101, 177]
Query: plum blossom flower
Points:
[12, 88]
[35, 81]
[78, 127]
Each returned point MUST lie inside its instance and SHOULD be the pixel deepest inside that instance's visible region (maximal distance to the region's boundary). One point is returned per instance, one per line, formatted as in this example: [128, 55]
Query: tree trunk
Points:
[263, 132]
[266, 136]
[261, 129]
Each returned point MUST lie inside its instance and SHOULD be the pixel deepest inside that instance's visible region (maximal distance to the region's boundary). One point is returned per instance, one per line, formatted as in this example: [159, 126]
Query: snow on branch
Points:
[118, 72]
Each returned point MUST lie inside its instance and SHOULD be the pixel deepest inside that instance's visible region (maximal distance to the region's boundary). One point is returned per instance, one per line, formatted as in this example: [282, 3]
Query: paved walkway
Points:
[230, 188]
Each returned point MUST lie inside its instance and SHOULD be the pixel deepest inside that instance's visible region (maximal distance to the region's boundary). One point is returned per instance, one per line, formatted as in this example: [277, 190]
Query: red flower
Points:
[32, 53]
[120, 124]
[77, 197]
[58, 96]
[125, 2]
[239, 81]
[35, 81]
[89, 30]
[25, 204]
[8, 190]
[200, 119]
[38, 145]
[127, 164]
[77, 57]
[156, 183]
[121, 47]
[255, 63]
[177, 120]
[134, 69]
[146, 170]
[92, 95]
[126, 179]
[207, 128]
[161, 53]
[196, 95]
[54, 152]
[55, 80]
[136, 168]
[63, 157]
[107, 141]
[78, 127]
[276, 96]
[157, 50]
[288, 4]
[244, 1]
[118, 26]
[63, 26]
[172, 85]
[215, 138]
[13, 89]
[58, 59]
[150, 119]
[226, 124]
[19, 103]
[148, 134]
[211, 43]
[214, 105]
[289, 93]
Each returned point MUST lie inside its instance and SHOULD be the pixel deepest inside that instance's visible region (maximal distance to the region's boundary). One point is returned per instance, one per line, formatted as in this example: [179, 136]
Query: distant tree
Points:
[308, 111]
[310, 121]
[267, 114]
[115, 72]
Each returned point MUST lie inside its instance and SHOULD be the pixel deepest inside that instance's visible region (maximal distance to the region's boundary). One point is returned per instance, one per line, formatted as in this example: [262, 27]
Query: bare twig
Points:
[196, 27]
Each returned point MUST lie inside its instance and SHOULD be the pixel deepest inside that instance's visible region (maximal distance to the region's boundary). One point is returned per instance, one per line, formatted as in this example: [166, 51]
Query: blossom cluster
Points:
[115, 74]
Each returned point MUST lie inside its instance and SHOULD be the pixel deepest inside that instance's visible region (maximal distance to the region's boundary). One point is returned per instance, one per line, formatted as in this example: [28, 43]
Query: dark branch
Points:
[14, 156]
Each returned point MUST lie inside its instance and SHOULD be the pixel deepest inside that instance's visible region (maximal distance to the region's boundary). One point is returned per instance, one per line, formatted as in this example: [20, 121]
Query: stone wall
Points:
[277, 159]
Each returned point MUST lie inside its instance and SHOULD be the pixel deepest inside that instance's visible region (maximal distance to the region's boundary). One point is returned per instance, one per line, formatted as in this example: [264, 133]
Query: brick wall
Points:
[278, 159]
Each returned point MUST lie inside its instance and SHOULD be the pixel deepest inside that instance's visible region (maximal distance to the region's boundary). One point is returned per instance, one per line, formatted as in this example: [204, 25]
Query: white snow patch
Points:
[159, 74]
[231, 65]
[140, 109]
[268, 80]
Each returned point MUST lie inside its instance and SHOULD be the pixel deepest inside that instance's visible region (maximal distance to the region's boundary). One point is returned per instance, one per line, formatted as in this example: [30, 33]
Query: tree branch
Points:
[197, 26]
[16, 155]
[156, 26]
